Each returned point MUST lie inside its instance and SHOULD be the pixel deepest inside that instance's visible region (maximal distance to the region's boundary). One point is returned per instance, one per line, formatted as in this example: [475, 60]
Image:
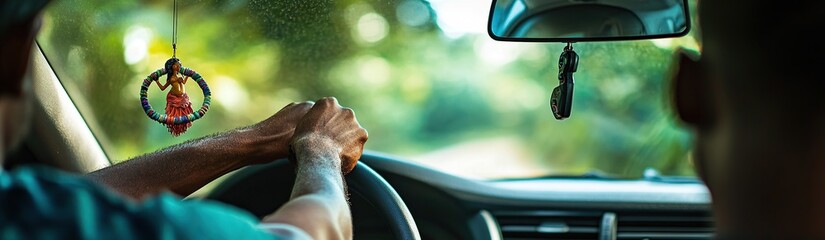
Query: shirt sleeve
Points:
[204, 219]
[40, 203]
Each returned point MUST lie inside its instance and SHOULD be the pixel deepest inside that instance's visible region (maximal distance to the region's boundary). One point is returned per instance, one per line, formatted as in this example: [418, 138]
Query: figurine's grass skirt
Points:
[177, 106]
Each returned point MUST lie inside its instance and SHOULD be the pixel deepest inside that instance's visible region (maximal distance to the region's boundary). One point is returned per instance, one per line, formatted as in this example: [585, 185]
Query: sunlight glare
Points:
[372, 27]
[374, 71]
[136, 44]
[663, 43]
[232, 96]
[495, 52]
[459, 17]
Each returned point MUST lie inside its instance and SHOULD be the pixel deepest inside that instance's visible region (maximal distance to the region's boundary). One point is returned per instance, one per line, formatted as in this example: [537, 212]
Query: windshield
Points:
[423, 77]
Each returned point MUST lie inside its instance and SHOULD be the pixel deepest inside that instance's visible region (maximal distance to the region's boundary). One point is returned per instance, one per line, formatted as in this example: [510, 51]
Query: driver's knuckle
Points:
[324, 101]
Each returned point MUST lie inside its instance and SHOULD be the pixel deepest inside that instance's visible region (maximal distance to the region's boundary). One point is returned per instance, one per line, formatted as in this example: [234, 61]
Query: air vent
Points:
[522, 225]
[669, 225]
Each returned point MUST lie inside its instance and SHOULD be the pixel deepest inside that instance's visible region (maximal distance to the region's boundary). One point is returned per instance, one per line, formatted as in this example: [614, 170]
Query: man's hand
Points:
[269, 139]
[329, 129]
[328, 141]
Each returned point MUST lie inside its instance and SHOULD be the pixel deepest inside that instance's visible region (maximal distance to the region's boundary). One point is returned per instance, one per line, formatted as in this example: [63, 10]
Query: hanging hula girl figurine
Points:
[177, 101]
[179, 115]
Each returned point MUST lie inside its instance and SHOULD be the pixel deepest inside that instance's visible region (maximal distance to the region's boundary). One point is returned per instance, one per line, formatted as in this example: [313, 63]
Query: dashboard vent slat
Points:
[516, 225]
[664, 225]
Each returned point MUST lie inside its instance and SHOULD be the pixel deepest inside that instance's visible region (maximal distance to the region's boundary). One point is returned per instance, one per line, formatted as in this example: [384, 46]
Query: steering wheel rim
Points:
[362, 181]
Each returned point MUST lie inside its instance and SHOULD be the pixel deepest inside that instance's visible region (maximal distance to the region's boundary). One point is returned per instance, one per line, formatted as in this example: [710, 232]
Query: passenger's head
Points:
[19, 24]
[755, 100]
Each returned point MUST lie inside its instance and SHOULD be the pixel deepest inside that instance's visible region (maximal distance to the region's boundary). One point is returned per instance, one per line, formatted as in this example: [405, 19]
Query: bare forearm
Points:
[318, 203]
[323, 214]
[187, 167]
[181, 169]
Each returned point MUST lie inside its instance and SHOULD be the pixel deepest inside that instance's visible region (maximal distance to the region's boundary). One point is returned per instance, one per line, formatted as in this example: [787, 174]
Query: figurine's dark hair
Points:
[168, 66]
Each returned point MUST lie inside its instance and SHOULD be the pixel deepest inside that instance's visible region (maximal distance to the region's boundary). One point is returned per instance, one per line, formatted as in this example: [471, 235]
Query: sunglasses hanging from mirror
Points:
[561, 101]
[178, 115]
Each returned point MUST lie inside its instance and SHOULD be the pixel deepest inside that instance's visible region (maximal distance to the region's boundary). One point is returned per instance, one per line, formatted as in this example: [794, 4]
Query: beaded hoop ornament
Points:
[164, 118]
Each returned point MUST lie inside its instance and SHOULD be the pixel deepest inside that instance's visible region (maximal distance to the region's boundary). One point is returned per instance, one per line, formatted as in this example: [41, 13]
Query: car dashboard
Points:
[446, 206]
[449, 207]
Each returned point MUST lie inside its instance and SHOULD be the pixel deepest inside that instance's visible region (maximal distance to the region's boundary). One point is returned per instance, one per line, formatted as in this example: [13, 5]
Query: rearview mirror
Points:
[587, 20]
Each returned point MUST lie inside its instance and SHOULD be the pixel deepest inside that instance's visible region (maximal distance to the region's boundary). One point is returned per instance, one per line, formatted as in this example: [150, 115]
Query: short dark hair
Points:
[18, 12]
[17, 18]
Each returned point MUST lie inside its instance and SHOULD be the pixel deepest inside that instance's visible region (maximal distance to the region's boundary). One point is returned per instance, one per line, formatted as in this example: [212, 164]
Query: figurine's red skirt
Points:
[177, 106]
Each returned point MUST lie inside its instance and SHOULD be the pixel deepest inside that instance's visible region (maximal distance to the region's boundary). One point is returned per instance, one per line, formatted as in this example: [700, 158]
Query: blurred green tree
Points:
[417, 88]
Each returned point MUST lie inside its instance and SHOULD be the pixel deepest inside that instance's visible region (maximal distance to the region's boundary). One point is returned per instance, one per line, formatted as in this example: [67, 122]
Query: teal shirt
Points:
[41, 203]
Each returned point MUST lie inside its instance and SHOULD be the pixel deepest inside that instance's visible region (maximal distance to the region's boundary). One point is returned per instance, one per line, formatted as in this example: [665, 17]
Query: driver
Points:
[131, 199]
[754, 100]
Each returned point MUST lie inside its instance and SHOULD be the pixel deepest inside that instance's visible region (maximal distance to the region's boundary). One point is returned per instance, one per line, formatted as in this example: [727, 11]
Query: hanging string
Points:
[175, 28]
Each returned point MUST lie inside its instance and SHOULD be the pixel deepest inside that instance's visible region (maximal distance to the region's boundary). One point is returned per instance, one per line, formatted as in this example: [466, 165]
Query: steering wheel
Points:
[261, 189]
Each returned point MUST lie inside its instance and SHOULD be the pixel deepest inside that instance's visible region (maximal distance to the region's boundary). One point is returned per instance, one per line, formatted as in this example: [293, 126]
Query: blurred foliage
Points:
[416, 88]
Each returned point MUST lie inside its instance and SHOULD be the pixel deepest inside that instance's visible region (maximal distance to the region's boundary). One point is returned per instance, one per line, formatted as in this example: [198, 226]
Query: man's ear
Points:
[691, 94]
